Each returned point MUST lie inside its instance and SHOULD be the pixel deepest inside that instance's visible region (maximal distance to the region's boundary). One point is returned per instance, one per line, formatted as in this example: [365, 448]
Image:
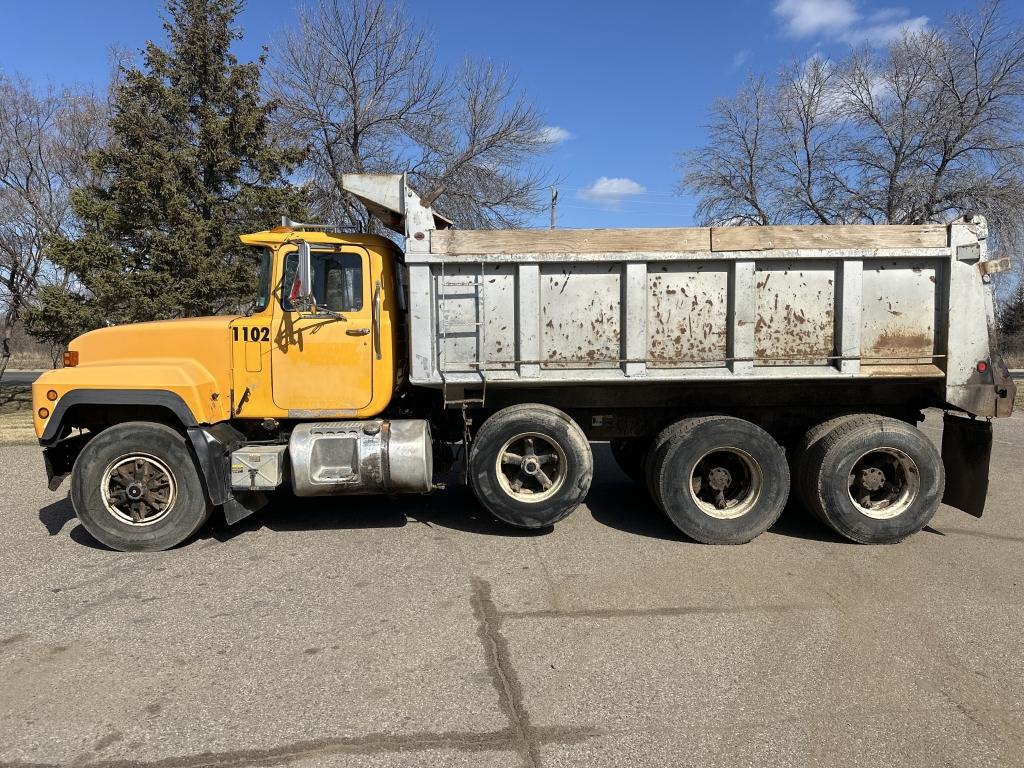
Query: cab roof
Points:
[280, 235]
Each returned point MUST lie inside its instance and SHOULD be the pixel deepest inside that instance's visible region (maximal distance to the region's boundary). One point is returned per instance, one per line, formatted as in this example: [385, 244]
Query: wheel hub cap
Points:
[531, 467]
[726, 483]
[719, 478]
[872, 478]
[884, 483]
[138, 489]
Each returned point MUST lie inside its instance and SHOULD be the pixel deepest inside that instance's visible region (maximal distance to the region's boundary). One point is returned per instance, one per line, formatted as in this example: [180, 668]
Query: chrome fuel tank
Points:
[361, 457]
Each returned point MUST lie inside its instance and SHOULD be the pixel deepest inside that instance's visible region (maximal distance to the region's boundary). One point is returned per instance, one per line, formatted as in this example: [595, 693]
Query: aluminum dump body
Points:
[563, 307]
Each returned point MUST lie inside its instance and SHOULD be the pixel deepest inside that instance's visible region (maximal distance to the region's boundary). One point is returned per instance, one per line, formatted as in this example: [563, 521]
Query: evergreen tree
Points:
[191, 164]
[1011, 321]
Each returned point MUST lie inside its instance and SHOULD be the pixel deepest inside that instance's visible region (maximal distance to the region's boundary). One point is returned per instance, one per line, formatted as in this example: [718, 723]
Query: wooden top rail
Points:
[465, 242]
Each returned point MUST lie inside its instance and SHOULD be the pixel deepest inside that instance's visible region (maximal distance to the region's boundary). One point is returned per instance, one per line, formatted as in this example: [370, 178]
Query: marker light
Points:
[982, 366]
[44, 413]
[70, 359]
[51, 395]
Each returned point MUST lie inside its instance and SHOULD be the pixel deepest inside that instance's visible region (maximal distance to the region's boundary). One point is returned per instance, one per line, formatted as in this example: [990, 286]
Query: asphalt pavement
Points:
[415, 631]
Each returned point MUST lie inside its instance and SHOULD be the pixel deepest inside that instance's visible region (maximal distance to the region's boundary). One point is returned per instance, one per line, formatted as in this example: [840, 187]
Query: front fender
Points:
[182, 386]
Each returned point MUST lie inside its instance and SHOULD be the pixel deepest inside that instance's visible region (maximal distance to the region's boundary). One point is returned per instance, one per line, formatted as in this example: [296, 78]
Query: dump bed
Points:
[612, 306]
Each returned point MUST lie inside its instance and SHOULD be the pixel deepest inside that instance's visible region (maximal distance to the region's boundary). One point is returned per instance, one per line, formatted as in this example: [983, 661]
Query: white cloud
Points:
[806, 18]
[741, 58]
[552, 134]
[610, 192]
[841, 20]
[884, 27]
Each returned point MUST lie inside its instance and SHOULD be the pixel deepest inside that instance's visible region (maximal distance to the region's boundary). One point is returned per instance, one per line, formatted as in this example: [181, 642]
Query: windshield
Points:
[263, 291]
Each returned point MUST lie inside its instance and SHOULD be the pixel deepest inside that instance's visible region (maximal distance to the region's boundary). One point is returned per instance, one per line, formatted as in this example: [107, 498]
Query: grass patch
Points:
[30, 361]
[16, 416]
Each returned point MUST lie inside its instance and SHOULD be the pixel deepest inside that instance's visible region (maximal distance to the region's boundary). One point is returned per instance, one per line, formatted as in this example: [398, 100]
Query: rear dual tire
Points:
[872, 479]
[719, 479]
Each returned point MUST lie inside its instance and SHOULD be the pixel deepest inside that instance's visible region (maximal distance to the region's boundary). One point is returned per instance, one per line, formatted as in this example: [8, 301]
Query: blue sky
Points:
[626, 83]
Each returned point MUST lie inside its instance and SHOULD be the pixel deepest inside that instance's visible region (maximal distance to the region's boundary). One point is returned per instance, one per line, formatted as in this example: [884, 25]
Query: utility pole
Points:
[554, 206]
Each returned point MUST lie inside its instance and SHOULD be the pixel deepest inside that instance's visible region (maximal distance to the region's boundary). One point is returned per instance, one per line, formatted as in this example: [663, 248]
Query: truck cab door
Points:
[322, 363]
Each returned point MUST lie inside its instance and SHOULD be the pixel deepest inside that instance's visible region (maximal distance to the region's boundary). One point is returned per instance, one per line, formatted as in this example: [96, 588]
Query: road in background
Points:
[19, 378]
[369, 631]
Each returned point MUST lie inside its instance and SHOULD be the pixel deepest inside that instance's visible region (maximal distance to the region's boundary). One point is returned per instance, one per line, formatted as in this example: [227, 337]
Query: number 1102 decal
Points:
[251, 334]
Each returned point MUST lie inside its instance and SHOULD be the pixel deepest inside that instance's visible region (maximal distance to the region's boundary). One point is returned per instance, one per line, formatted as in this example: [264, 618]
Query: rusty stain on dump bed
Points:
[900, 343]
[899, 311]
[581, 327]
[687, 320]
[892, 370]
[795, 315]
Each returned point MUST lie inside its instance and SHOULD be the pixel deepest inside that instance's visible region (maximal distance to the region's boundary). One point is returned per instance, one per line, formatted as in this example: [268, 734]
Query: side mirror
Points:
[301, 294]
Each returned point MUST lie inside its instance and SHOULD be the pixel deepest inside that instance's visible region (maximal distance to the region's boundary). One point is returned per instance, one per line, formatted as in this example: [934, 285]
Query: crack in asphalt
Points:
[519, 736]
[615, 613]
[503, 674]
[368, 744]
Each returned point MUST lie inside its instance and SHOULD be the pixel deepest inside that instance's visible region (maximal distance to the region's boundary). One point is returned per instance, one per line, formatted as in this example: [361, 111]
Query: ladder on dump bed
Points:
[461, 289]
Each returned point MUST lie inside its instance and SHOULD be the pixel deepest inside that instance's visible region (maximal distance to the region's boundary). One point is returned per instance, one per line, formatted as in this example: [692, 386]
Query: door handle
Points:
[376, 319]
[357, 331]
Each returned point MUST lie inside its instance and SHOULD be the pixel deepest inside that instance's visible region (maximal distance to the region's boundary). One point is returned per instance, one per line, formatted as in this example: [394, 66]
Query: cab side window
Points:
[337, 281]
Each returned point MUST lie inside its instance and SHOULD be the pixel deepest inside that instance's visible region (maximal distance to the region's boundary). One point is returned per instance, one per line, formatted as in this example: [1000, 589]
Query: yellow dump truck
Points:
[727, 367]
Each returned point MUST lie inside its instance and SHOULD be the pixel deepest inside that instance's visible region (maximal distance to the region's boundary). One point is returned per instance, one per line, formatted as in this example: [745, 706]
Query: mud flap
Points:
[966, 452]
[213, 447]
[60, 457]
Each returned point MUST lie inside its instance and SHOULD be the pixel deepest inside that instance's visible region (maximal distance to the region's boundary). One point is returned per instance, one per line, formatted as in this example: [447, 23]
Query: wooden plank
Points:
[828, 236]
[465, 242]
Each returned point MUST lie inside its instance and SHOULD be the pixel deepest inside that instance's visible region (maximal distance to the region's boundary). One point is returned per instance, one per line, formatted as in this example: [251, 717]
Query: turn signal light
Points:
[44, 413]
[51, 395]
[70, 359]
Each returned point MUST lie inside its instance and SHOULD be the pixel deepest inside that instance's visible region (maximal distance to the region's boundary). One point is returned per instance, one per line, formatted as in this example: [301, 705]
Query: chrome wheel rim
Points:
[531, 467]
[726, 483]
[138, 489]
[883, 483]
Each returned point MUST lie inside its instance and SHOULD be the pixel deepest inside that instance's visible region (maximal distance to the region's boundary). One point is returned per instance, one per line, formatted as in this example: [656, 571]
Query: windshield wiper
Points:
[321, 312]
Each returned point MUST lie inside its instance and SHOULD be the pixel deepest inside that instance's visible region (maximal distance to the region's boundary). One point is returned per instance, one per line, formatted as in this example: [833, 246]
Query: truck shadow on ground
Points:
[57, 515]
[614, 501]
[619, 503]
[453, 508]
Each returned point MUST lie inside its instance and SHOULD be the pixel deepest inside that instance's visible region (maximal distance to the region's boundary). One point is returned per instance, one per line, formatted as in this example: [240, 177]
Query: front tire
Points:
[136, 488]
[530, 465]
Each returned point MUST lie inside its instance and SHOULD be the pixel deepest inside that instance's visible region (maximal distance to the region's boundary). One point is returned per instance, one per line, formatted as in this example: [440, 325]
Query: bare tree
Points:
[356, 85]
[923, 131]
[44, 139]
[731, 175]
[806, 124]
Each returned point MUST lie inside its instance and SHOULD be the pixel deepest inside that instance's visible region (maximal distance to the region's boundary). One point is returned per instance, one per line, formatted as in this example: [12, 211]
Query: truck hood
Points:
[204, 339]
[189, 358]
